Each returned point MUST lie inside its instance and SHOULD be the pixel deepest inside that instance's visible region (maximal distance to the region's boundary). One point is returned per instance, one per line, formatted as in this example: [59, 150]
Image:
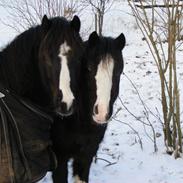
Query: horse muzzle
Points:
[63, 110]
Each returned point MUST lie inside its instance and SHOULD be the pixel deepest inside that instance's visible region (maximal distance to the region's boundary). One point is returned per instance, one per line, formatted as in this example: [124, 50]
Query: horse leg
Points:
[60, 175]
[81, 168]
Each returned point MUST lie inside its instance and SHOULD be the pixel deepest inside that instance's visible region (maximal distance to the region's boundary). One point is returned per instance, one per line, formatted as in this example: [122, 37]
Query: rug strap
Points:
[19, 141]
[7, 149]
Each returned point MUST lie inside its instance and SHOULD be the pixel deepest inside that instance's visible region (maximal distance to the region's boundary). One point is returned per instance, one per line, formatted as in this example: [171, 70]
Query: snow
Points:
[6, 33]
[126, 154]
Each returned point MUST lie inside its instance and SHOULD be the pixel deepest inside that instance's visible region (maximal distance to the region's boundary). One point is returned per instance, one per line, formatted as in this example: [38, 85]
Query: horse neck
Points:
[84, 98]
[19, 71]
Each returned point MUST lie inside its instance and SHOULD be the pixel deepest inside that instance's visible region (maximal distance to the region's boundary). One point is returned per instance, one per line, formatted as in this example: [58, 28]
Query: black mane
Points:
[19, 64]
[61, 30]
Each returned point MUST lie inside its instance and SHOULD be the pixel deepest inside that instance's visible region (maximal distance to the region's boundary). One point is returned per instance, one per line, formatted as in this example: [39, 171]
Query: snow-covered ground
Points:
[127, 152]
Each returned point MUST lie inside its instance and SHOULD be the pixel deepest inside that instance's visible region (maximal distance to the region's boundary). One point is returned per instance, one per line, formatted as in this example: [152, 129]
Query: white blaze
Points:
[2, 95]
[104, 84]
[64, 82]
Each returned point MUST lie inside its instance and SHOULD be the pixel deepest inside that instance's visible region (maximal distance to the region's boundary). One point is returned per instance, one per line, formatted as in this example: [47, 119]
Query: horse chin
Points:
[102, 123]
[62, 114]
[97, 122]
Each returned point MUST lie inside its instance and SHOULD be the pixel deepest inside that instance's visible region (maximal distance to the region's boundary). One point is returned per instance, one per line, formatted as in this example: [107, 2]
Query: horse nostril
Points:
[60, 95]
[71, 109]
[63, 107]
[107, 117]
[96, 109]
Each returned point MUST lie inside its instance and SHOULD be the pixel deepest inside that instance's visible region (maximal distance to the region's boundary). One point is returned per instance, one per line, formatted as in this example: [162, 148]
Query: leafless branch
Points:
[169, 27]
[23, 14]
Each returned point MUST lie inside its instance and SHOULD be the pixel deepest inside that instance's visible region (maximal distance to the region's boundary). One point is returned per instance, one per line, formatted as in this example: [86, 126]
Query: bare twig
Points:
[169, 17]
[99, 7]
[108, 162]
[136, 132]
[23, 14]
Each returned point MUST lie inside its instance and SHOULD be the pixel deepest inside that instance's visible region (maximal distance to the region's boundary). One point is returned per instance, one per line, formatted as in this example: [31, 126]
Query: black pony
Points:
[36, 75]
[78, 136]
[31, 65]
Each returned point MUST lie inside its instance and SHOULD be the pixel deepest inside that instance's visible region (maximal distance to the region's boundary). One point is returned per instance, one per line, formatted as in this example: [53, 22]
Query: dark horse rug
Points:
[25, 153]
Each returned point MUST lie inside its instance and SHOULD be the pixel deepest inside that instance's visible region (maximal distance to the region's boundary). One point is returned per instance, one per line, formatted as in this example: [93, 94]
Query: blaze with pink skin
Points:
[103, 80]
[64, 79]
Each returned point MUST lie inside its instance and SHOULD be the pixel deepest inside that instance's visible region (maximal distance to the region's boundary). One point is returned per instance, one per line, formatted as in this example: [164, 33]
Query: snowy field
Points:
[127, 152]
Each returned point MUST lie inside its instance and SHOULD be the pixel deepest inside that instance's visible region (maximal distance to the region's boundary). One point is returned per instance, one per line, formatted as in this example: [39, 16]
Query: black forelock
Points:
[60, 31]
[104, 47]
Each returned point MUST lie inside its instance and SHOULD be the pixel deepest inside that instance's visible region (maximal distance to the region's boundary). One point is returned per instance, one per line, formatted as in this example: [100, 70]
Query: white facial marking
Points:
[77, 180]
[2, 95]
[64, 83]
[104, 84]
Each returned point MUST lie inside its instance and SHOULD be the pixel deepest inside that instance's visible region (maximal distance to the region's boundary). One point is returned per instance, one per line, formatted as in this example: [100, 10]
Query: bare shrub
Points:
[161, 26]
[23, 14]
[99, 8]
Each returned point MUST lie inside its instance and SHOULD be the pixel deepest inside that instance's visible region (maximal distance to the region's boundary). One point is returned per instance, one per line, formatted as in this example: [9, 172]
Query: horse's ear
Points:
[76, 23]
[120, 41]
[93, 39]
[45, 23]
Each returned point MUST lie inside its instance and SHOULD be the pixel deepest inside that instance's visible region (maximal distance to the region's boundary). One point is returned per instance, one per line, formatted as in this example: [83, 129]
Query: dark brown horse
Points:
[36, 79]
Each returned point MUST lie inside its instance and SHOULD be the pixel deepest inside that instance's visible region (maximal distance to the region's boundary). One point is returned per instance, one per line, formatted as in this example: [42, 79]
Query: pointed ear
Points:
[45, 23]
[93, 39]
[76, 23]
[120, 41]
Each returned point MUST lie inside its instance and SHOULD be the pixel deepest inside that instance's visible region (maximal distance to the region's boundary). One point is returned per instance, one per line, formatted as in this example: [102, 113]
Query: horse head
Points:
[59, 61]
[104, 67]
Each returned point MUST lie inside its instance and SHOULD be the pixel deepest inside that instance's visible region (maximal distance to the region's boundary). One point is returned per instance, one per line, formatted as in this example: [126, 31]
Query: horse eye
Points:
[49, 63]
[89, 68]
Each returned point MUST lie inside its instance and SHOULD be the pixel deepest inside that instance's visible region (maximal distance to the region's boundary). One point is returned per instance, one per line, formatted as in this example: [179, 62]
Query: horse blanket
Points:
[25, 146]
